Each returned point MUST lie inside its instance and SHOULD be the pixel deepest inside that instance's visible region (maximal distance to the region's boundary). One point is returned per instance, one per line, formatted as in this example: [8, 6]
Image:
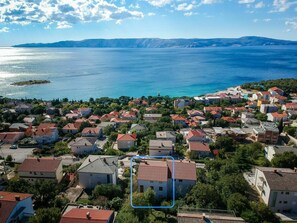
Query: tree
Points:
[225, 143]
[237, 202]
[285, 160]
[204, 196]
[108, 190]
[261, 116]
[292, 131]
[61, 148]
[46, 215]
[116, 203]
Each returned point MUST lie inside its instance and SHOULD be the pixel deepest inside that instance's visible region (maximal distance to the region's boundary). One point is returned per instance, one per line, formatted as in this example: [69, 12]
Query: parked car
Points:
[14, 146]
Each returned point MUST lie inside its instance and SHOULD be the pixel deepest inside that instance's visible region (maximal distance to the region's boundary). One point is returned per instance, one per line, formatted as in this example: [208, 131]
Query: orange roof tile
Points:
[126, 137]
[48, 164]
[79, 215]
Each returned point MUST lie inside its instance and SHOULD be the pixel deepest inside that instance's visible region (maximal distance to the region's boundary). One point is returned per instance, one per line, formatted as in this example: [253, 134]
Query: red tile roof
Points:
[178, 118]
[229, 119]
[94, 117]
[8, 203]
[10, 135]
[91, 131]
[126, 137]
[199, 147]
[46, 125]
[79, 215]
[153, 170]
[265, 92]
[44, 132]
[196, 133]
[71, 126]
[276, 89]
[40, 164]
[279, 115]
[291, 106]
[209, 109]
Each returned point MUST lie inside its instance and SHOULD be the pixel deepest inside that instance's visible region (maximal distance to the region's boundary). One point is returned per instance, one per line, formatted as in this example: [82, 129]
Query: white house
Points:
[85, 111]
[277, 117]
[15, 207]
[46, 135]
[83, 145]
[158, 175]
[41, 168]
[274, 91]
[196, 136]
[92, 132]
[160, 147]
[271, 151]
[290, 107]
[277, 187]
[98, 170]
[137, 128]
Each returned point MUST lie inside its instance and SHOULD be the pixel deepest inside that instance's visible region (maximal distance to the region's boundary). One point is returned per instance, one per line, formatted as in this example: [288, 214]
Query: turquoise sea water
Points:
[81, 73]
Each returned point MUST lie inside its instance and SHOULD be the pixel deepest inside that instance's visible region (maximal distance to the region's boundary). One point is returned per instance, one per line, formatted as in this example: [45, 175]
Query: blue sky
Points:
[23, 21]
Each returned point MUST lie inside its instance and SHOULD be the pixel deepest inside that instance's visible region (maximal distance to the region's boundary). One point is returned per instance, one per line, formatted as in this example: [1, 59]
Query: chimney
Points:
[275, 171]
[203, 216]
[88, 215]
[295, 169]
[17, 197]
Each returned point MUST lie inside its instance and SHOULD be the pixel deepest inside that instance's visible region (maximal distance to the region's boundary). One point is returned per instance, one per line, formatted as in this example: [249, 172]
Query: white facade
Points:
[49, 138]
[270, 151]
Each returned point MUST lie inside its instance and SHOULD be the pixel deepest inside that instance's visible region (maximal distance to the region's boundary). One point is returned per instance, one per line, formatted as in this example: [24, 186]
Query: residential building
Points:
[84, 112]
[46, 135]
[15, 207]
[83, 145]
[18, 127]
[137, 128]
[271, 151]
[278, 99]
[72, 116]
[77, 213]
[290, 107]
[193, 113]
[194, 215]
[197, 135]
[98, 170]
[41, 168]
[199, 150]
[160, 147]
[267, 132]
[11, 137]
[71, 128]
[22, 108]
[166, 135]
[264, 95]
[268, 108]
[126, 141]
[152, 118]
[277, 187]
[29, 120]
[274, 91]
[181, 103]
[277, 117]
[128, 115]
[158, 175]
[179, 120]
[210, 109]
[92, 132]
[94, 119]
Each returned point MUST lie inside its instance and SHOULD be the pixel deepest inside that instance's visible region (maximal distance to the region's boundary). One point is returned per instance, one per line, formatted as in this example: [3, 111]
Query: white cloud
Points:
[266, 20]
[159, 3]
[119, 22]
[259, 5]
[151, 14]
[246, 1]
[283, 5]
[63, 25]
[291, 24]
[64, 13]
[188, 13]
[208, 2]
[4, 30]
[184, 7]
[255, 20]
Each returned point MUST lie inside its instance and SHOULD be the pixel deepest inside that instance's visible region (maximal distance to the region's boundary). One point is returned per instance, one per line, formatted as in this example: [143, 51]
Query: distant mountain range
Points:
[165, 43]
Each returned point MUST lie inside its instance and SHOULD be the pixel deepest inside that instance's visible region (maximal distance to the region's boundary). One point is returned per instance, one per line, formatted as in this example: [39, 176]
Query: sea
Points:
[82, 73]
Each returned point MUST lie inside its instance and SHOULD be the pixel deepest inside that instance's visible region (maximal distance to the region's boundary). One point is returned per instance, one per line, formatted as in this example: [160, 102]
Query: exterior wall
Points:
[59, 172]
[90, 180]
[198, 154]
[47, 139]
[125, 145]
[83, 149]
[155, 185]
[161, 152]
[262, 186]
[269, 152]
[70, 131]
[197, 139]
[27, 212]
[181, 187]
[93, 135]
[268, 137]
[37, 175]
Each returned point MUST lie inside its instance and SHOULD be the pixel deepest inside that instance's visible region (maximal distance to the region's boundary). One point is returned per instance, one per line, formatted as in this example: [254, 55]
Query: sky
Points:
[27, 21]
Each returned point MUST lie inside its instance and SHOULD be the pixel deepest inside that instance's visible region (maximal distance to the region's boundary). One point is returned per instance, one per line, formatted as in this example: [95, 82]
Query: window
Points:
[282, 192]
[287, 192]
[35, 173]
[30, 172]
[152, 187]
[160, 188]
[285, 202]
[91, 174]
[151, 181]
[280, 202]
[141, 189]
[41, 173]
[180, 180]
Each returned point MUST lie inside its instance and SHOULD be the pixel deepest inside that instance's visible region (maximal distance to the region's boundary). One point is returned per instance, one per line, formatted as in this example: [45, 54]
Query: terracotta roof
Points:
[229, 119]
[154, 170]
[71, 126]
[118, 120]
[178, 118]
[91, 130]
[196, 133]
[84, 109]
[279, 97]
[8, 203]
[94, 117]
[212, 109]
[265, 92]
[40, 164]
[199, 147]
[44, 132]
[79, 215]
[275, 89]
[291, 105]
[10, 135]
[126, 137]
[279, 115]
[46, 125]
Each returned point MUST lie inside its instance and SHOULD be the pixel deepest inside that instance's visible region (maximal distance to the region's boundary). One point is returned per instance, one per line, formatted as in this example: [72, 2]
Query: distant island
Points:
[30, 82]
[166, 43]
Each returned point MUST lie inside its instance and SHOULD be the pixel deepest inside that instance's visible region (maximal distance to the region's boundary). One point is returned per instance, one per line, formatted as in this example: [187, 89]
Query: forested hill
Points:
[165, 43]
[289, 85]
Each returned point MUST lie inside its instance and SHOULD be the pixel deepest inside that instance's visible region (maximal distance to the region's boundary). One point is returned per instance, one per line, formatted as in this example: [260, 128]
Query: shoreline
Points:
[30, 82]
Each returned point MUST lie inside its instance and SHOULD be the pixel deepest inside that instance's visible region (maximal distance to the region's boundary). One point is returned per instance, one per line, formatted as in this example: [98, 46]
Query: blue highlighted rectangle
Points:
[172, 178]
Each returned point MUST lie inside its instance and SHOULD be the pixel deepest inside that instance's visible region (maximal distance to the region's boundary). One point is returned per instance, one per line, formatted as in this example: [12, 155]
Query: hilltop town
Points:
[234, 158]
